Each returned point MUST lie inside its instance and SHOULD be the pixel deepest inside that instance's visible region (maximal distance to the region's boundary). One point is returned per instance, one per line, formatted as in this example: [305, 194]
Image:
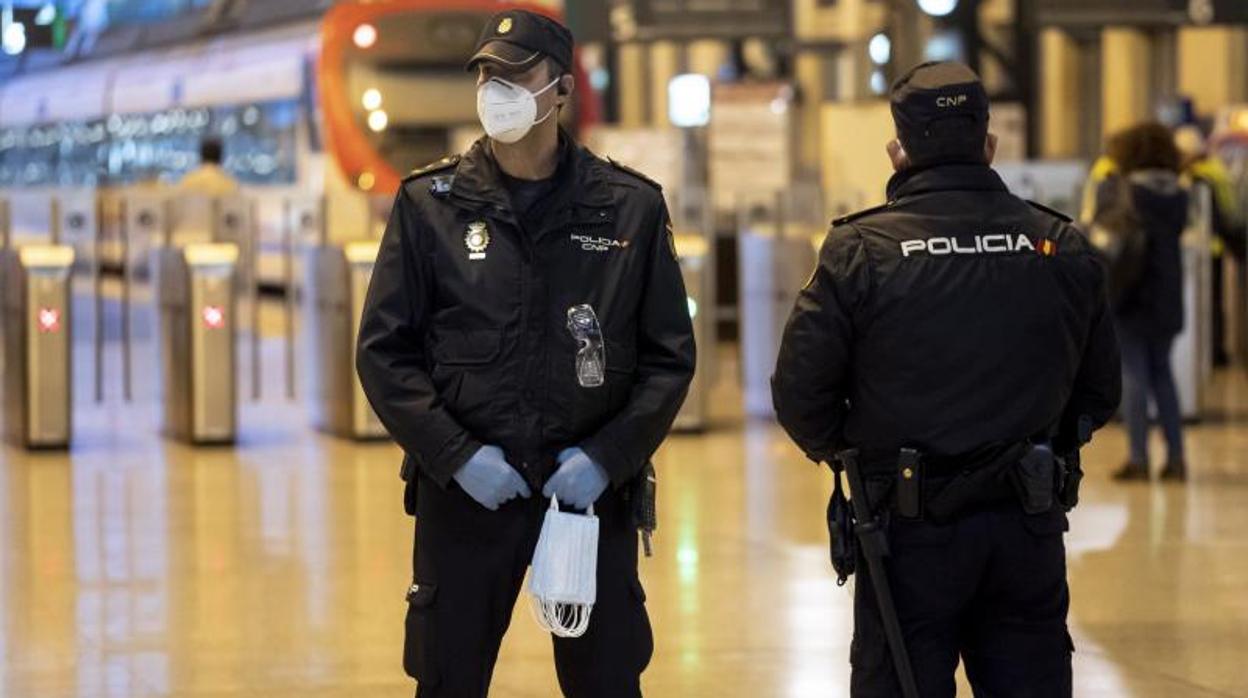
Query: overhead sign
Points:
[1141, 12]
[695, 19]
[750, 144]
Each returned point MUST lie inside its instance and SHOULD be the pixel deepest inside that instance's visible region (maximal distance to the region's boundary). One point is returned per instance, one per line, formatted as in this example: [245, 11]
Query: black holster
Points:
[841, 538]
[411, 484]
[1069, 465]
[642, 494]
[1035, 478]
[1070, 474]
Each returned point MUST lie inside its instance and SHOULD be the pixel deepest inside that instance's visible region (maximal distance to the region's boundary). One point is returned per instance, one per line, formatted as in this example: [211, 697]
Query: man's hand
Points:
[488, 478]
[579, 481]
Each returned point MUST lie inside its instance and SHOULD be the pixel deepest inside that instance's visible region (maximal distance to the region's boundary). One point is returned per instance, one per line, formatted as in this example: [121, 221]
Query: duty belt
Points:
[915, 485]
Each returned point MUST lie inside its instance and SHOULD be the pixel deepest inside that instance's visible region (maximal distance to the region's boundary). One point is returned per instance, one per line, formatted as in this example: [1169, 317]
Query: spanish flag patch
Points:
[1047, 247]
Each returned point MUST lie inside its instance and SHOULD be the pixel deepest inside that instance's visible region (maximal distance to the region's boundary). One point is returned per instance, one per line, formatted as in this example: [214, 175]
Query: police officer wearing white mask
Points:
[525, 336]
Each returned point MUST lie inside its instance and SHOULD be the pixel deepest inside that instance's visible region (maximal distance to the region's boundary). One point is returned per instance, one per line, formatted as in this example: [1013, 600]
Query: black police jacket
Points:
[464, 338]
[953, 318]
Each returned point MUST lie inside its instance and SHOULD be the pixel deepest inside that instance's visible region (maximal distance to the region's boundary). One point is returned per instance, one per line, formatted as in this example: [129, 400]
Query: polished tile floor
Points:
[138, 567]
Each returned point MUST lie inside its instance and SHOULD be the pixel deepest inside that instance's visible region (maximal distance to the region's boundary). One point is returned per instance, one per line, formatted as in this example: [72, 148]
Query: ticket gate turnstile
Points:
[340, 280]
[38, 394]
[198, 318]
[695, 268]
[1191, 360]
[773, 268]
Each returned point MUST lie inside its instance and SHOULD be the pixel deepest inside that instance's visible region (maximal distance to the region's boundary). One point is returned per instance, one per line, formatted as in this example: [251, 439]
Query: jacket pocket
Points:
[420, 641]
[467, 347]
[465, 373]
[644, 634]
[621, 374]
[621, 357]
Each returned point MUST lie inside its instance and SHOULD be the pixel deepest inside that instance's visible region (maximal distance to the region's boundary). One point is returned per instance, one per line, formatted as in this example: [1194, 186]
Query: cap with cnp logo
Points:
[941, 113]
[517, 40]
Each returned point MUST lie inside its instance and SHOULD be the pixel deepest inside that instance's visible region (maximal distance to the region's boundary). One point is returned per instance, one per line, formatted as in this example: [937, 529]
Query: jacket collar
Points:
[945, 177]
[581, 176]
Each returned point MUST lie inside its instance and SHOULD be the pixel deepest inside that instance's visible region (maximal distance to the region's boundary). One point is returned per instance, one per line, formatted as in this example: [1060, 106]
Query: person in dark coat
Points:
[1149, 315]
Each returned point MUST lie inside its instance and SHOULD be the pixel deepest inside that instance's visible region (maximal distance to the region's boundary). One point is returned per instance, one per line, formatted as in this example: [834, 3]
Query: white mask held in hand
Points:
[508, 111]
[563, 583]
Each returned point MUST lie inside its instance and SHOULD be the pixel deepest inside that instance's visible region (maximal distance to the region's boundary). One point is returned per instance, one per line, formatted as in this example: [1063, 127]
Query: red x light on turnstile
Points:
[49, 320]
[214, 317]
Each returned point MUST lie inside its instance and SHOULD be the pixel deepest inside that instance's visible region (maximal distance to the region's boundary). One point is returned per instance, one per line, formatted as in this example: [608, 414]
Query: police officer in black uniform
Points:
[525, 335]
[957, 337]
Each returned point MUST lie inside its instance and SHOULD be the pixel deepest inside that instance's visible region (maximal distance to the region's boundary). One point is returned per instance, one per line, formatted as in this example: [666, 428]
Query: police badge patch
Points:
[671, 242]
[476, 240]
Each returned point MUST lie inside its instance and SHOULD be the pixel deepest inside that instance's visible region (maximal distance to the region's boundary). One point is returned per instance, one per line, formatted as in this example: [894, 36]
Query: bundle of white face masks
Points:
[563, 581]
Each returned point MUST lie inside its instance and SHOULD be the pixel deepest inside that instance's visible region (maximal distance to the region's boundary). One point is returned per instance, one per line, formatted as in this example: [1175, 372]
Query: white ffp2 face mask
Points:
[508, 111]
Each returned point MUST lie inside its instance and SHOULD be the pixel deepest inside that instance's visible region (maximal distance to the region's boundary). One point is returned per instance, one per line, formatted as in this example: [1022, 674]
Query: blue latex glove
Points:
[488, 478]
[579, 481]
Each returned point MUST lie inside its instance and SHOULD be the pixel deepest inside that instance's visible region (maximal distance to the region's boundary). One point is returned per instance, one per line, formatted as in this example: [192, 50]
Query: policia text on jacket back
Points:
[948, 345]
[526, 333]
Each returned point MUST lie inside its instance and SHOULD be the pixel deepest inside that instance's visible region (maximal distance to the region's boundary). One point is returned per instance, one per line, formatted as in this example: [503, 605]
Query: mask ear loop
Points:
[564, 620]
[547, 116]
[552, 107]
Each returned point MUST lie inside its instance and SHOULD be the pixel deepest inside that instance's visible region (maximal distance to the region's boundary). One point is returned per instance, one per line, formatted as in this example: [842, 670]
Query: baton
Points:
[874, 544]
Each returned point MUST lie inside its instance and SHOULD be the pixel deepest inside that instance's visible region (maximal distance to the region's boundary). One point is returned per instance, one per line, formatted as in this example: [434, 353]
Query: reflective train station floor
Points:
[195, 196]
[136, 566]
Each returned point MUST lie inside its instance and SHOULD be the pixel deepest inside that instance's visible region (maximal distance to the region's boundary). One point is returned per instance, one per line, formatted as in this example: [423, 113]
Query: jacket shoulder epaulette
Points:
[1056, 214]
[628, 170]
[436, 166]
[851, 217]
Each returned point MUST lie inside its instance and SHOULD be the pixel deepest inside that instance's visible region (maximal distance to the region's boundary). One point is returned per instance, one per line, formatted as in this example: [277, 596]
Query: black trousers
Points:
[989, 588]
[469, 565]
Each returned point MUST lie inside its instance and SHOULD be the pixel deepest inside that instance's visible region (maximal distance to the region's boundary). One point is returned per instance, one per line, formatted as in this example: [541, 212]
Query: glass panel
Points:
[75, 217]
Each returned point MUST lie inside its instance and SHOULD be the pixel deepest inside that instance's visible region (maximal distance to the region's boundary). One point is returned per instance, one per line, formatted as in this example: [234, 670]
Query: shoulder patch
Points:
[628, 170]
[437, 166]
[440, 185]
[849, 218]
[1056, 214]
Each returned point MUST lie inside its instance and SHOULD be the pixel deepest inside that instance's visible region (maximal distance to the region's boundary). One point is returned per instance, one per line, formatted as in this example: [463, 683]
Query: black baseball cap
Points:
[518, 39]
[941, 113]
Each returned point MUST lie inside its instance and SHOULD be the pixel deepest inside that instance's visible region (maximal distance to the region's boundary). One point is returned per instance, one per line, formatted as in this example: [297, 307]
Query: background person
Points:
[210, 178]
[1150, 314]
